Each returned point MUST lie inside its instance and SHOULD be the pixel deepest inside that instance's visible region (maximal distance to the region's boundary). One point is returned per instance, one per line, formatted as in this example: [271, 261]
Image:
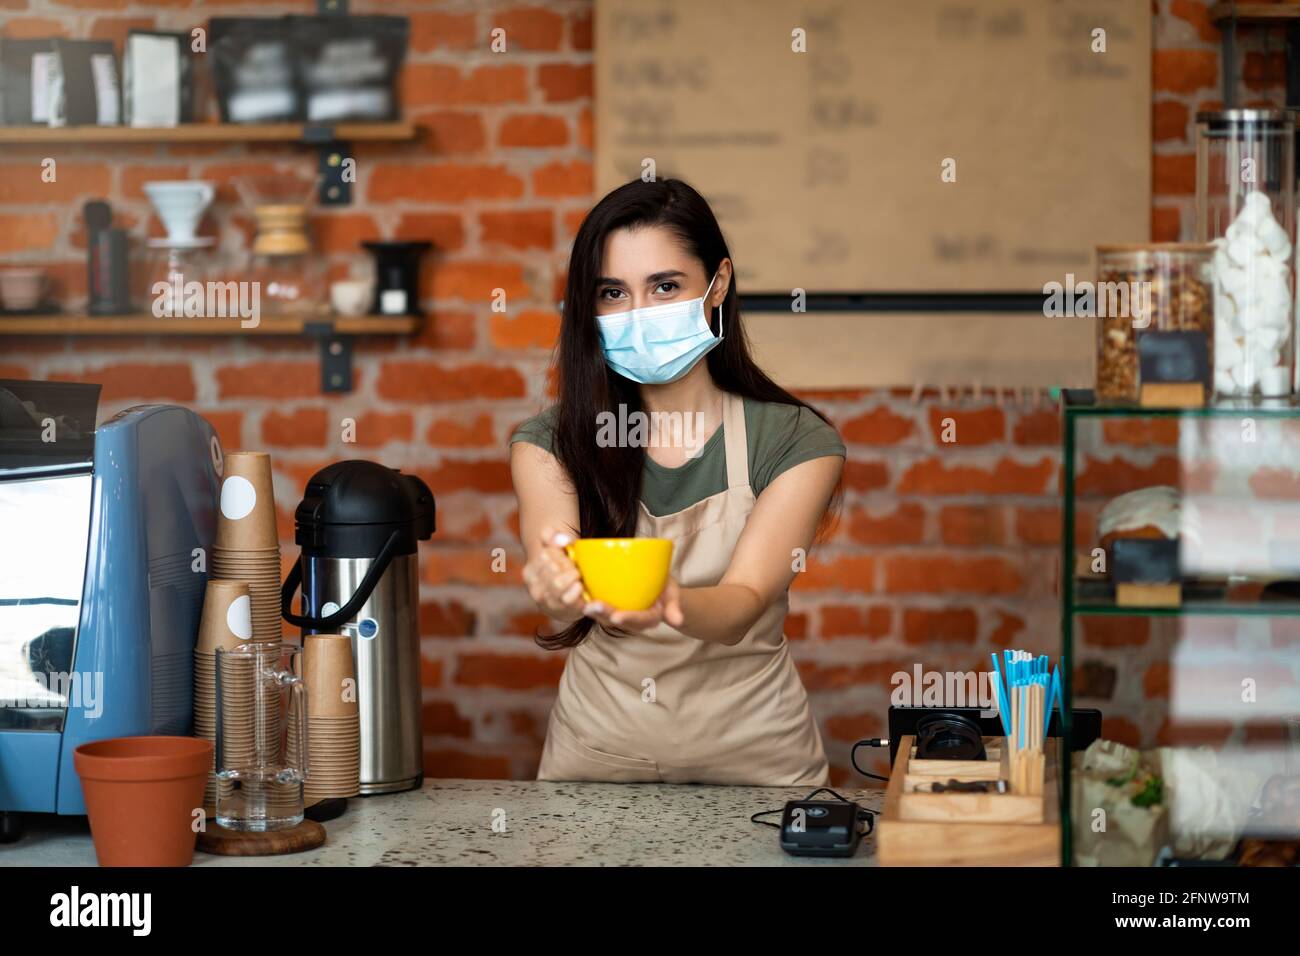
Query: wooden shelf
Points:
[212, 133]
[145, 324]
[1256, 13]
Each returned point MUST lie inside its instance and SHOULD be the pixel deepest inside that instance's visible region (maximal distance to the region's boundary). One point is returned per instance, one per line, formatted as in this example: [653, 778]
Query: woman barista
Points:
[701, 687]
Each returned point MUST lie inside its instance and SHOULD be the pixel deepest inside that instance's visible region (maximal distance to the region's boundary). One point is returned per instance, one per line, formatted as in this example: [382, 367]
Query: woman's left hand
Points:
[666, 610]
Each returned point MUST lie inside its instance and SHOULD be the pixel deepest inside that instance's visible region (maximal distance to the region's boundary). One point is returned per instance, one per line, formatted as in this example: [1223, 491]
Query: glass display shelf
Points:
[1079, 403]
[1092, 596]
[1204, 694]
[1189, 608]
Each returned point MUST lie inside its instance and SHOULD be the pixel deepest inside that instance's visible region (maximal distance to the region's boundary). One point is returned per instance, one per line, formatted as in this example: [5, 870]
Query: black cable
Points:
[766, 823]
[826, 790]
[870, 817]
[853, 757]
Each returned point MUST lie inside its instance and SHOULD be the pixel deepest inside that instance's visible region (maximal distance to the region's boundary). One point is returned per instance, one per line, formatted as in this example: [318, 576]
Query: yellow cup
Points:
[628, 574]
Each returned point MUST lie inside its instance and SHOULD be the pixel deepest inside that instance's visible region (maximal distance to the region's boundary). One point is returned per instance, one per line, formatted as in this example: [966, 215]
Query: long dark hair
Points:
[608, 479]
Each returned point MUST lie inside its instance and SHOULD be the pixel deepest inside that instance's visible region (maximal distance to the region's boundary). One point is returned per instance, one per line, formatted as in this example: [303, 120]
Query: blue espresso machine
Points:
[104, 541]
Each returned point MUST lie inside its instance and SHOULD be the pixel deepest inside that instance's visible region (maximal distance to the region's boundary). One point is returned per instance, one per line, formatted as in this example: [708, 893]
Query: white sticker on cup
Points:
[238, 496]
[239, 617]
[329, 608]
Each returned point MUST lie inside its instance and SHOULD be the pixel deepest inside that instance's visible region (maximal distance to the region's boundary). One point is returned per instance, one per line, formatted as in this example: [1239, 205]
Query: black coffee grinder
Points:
[397, 277]
[108, 272]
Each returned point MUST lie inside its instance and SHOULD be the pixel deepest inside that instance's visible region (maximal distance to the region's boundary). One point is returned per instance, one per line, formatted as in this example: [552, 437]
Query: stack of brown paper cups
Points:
[248, 546]
[333, 719]
[226, 623]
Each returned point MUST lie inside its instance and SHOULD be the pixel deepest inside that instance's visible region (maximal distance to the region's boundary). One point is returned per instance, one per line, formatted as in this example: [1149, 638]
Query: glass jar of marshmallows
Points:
[1245, 207]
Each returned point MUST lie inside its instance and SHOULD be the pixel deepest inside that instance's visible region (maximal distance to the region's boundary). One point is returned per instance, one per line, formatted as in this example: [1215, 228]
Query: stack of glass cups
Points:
[1245, 207]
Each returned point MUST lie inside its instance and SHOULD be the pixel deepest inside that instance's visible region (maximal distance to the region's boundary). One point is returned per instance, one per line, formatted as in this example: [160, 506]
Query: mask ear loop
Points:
[706, 295]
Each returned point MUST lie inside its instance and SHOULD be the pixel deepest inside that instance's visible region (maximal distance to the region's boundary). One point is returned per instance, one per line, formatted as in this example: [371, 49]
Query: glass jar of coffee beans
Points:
[1150, 287]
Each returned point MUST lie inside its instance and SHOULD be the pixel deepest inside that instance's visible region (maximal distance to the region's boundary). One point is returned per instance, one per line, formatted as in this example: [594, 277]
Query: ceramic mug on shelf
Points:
[21, 290]
[351, 296]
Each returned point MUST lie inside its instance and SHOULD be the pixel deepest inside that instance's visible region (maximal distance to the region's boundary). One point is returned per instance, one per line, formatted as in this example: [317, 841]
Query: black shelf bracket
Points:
[332, 159]
[335, 357]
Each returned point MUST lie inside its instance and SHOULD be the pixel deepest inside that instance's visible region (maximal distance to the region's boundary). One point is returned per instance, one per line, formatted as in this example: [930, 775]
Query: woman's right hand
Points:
[553, 581]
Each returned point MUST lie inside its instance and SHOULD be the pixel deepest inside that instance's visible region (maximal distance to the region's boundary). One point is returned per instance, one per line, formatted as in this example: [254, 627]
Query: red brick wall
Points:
[944, 552]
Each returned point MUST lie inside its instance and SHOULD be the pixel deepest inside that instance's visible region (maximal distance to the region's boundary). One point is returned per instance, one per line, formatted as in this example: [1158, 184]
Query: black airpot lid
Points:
[352, 507]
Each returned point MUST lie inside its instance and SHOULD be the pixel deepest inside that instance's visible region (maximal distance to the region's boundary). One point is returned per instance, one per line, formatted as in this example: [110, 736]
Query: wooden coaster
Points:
[218, 840]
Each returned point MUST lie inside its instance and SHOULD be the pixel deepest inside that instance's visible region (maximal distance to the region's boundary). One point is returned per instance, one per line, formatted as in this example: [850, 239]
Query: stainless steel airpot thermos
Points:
[358, 526]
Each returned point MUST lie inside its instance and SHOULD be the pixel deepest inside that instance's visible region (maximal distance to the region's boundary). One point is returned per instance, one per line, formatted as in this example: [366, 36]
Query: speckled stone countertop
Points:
[450, 823]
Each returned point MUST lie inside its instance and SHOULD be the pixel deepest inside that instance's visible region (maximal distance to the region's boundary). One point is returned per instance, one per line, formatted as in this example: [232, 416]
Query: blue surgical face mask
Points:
[659, 343]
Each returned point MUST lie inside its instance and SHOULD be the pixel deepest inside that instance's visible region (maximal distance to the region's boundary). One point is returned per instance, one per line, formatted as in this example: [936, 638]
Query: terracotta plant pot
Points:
[141, 794]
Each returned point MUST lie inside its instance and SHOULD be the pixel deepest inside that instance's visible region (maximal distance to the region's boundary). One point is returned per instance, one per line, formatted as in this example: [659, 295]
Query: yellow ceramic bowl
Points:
[628, 574]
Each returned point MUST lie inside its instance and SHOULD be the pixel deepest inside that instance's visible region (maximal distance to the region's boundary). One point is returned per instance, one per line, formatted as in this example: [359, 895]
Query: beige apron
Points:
[661, 706]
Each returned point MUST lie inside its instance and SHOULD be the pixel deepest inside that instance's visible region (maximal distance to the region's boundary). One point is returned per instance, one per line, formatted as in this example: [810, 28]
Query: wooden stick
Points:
[1041, 723]
[1039, 719]
[1038, 707]
[1033, 714]
[1015, 718]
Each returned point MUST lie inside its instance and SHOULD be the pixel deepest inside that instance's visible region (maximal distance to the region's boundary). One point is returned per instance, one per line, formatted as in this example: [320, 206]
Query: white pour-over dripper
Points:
[180, 205]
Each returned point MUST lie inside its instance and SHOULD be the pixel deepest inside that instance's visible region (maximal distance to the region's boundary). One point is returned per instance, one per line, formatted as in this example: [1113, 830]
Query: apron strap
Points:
[735, 440]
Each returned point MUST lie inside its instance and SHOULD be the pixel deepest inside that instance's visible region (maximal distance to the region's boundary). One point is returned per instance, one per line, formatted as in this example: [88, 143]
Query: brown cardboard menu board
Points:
[825, 166]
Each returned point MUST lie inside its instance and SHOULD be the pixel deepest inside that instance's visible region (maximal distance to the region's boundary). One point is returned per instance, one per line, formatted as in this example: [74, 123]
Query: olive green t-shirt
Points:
[778, 437]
